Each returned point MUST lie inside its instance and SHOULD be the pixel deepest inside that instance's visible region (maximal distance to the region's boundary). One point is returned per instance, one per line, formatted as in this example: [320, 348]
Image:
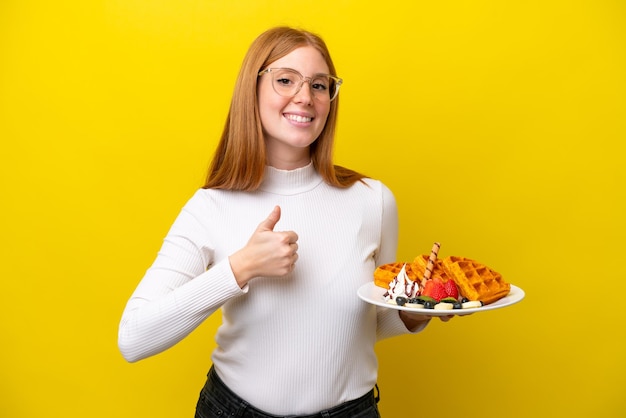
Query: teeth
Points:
[297, 118]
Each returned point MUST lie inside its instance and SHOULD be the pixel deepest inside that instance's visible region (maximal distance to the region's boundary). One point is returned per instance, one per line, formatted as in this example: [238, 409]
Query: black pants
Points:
[218, 401]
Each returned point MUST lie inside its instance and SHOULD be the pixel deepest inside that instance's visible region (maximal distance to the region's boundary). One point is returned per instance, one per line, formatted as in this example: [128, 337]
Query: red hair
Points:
[240, 157]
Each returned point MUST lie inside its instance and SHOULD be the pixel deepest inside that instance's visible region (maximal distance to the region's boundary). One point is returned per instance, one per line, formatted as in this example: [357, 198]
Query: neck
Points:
[289, 158]
[290, 164]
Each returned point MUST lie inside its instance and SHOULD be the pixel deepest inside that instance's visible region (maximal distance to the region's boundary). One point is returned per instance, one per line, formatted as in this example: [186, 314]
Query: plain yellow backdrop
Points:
[499, 125]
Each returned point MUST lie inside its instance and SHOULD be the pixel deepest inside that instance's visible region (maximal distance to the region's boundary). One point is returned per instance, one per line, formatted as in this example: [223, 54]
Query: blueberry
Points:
[457, 305]
[429, 305]
[464, 300]
[401, 300]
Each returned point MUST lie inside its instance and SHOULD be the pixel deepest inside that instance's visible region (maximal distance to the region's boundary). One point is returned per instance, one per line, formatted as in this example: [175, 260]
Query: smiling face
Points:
[292, 124]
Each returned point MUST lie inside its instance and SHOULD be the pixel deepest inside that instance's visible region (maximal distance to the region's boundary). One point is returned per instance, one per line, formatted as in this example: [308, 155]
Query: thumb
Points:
[271, 221]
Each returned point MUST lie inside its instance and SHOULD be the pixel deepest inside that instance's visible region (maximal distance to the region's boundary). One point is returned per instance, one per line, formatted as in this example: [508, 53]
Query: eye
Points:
[286, 78]
[284, 81]
[320, 84]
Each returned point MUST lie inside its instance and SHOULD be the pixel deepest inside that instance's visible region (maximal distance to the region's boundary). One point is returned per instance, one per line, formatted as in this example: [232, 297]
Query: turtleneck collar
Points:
[290, 182]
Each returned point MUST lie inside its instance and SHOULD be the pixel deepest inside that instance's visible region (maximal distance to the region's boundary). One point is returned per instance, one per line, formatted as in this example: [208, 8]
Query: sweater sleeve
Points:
[177, 293]
[389, 322]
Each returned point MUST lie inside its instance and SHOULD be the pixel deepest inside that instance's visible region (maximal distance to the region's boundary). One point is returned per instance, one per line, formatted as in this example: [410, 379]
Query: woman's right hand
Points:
[267, 253]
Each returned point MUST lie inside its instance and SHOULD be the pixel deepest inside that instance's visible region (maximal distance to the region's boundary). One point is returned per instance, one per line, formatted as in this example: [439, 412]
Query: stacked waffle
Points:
[474, 280]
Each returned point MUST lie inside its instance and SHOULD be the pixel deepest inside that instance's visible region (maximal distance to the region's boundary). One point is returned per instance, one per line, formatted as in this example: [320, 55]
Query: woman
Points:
[280, 239]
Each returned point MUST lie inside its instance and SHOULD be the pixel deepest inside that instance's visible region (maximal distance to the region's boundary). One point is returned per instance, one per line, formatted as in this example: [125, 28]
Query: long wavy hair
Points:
[240, 157]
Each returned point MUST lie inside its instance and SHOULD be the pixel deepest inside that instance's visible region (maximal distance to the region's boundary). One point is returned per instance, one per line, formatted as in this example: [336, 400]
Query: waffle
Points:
[385, 273]
[475, 280]
[420, 263]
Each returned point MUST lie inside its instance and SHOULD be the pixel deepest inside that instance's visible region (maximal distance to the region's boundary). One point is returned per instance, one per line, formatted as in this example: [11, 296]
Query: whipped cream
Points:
[401, 286]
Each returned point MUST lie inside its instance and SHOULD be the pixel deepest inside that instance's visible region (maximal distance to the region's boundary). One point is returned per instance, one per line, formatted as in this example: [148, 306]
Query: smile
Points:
[298, 118]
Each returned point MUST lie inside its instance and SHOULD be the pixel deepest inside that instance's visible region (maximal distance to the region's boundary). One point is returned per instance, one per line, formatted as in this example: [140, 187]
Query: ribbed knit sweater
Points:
[289, 345]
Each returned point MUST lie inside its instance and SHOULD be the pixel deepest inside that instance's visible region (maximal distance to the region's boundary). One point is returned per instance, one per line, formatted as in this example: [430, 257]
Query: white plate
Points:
[373, 294]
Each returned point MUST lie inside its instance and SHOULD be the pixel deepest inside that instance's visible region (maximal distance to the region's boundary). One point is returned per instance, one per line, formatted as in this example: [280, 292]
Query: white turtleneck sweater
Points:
[290, 345]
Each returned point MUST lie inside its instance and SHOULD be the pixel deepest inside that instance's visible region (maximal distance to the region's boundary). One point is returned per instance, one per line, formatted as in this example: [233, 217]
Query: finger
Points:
[288, 239]
[270, 222]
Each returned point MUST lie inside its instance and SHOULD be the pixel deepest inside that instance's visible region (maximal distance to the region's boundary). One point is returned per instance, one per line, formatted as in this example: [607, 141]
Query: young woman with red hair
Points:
[280, 239]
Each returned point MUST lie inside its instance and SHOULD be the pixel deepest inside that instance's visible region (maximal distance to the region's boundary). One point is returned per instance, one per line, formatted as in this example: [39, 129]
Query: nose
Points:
[304, 93]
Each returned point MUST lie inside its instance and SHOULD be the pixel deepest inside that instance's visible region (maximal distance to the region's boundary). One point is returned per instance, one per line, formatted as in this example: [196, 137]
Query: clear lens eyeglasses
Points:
[287, 82]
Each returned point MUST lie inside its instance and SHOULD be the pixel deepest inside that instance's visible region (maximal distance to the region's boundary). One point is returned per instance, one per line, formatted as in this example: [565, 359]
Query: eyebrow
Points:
[293, 69]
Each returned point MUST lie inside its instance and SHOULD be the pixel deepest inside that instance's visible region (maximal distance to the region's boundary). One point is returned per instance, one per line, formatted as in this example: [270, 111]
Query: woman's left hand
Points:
[411, 320]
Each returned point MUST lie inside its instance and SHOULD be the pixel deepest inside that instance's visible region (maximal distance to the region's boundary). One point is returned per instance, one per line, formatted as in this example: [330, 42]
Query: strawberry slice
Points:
[451, 289]
[434, 289]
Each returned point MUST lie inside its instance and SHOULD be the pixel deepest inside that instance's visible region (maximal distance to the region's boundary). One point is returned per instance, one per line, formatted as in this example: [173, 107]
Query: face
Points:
[292, 124]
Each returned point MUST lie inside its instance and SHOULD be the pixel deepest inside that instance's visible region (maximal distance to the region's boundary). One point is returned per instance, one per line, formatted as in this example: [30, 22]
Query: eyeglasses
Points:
[288, 82]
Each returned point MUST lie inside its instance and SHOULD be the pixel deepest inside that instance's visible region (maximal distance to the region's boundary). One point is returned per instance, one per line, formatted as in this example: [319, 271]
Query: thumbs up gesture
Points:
[267, 253]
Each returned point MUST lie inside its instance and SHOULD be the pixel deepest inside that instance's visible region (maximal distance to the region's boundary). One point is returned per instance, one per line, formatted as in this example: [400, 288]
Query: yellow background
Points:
[499, 125]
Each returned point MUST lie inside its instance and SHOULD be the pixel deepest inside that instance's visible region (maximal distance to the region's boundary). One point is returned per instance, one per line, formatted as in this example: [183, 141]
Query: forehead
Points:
[306, 60]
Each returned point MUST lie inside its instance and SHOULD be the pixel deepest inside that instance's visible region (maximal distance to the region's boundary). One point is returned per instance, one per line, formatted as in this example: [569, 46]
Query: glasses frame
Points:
[338, 81]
